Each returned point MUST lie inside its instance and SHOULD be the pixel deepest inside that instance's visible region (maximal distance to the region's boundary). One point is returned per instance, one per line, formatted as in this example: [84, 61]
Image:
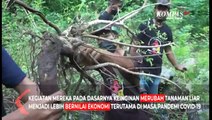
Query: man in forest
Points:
[112, 10]
[14, 77]
[112, 86]
[155, 32]
[109, 74]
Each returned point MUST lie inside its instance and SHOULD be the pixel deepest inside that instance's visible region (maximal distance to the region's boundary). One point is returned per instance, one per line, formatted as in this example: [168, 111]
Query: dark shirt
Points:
[105, 16]
[130, 88]
[12, 75]
[106, 73]
[151, 36]
[109, 46]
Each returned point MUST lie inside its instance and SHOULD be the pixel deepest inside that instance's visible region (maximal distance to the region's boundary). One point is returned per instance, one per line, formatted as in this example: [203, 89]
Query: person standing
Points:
[155, 32]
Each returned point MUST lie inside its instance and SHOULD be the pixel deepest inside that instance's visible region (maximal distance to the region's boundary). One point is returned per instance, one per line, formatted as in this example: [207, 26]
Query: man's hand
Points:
[37, 114]
[172, 59]
[25, 84]
[89, 55]
[181, 68]
[49, 114]
[114, 8]
[103, 56]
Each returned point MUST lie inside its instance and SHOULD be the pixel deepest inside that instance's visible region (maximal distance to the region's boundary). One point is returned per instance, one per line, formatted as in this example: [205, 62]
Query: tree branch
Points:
[110, 73]
[114, 41]
[83, 28]
[127, 16]
[103, 22]
[133, 13]
[128, 71]
[25, 6]
[118, 20]
[82, 72]
[33, 35]
[78, 84]
[68, 44]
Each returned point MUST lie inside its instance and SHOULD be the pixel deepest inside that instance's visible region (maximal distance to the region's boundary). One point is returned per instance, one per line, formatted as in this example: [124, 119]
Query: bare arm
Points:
[87, 53]
[37, 114]
[25, 84]
[15, 115]
[124, 62]
[172, 59]
[133, 51]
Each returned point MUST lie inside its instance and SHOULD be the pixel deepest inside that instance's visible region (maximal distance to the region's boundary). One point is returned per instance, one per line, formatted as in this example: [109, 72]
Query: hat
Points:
[163, 3]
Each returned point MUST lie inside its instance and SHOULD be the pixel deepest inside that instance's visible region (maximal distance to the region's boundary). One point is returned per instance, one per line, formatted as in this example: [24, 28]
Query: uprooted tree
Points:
[64, 49]
[68, 43]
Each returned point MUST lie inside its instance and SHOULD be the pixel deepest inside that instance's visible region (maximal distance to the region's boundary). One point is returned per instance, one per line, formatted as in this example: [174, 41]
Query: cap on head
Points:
[165, 3]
